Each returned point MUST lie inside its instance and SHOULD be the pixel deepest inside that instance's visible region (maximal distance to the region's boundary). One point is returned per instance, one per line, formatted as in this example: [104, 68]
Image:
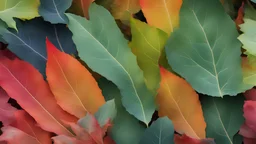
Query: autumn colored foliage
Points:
[128, 71]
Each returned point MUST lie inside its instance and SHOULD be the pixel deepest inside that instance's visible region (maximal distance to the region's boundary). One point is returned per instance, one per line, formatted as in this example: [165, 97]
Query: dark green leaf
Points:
[29, 42]
[160, 132]
[223, 116]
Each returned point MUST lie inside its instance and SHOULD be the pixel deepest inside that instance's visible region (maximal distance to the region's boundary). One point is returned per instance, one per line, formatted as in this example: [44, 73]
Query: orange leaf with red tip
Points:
[72, 84]
[163, 14]
[25, 131]
[184, 139]
[26, 85]
[6, 110]
[177, 100]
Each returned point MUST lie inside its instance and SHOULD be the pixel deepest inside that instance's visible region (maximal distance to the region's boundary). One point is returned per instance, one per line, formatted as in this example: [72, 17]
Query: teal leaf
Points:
[54, 10]
[126, 129]
[102, 46]
[107, 111]
[205, 49]
[29, 42]
[253, 1]
[223, 116]
[160, 132]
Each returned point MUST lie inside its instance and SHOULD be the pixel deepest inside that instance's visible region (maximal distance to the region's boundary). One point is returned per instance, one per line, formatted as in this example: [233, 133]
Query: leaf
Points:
[223, 117]
[62, 139]
[205, 50]
[6, 110]
[24, 130]
[249, 71]
[108, 54]
[253, 1]
[106, 112]
[23, 9]
[125, 126]
[184, 139]
[81, 7]
[26, 85]
[240, 16]
[124, 9]
[248, 37]
[160, 132]
[229, 7]
[29, 43]
[249, 141]
[147, 44]
[163, 14]
[249, 112]
[178, 101]
[250, 94]
[53, 10]
[73, 86]
[247, 132]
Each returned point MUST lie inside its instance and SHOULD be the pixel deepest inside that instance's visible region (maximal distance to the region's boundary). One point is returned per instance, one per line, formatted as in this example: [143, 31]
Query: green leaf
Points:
[248, 38]
[107, 111]
[223, 116]
[147, 44]
[54, 10]
[160, 132]
[253, 1]
[126, 129]
[104, 49]
[249, 12]
[23, 9]
[205, 50]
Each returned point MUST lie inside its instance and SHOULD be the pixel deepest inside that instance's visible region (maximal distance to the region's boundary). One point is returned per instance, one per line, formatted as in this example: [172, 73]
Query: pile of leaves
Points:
[128, 71]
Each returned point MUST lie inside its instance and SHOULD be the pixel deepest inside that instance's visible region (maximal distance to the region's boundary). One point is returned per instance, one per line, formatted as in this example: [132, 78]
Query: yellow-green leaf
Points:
[147, 44]
[23, 9]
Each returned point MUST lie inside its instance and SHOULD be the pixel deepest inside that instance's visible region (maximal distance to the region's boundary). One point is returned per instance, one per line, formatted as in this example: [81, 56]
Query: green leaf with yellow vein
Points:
[205, 49]
[104, 49]
[23, 9]
[147, 44]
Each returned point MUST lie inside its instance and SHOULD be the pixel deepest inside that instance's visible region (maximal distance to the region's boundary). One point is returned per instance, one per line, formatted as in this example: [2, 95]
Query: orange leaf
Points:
[25, 131]
[240, 16]
[163, 14]
[178, 101]
[72, 84]
[81, 7]
[26, 85]
[6, 110]
[124, 9]
[184, 139]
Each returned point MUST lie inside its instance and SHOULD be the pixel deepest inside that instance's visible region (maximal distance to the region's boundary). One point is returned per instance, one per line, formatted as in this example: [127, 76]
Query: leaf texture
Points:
[184, 139]
[25, 131]
[163, 14]
[23, 9]
[73, 86]
[124, 9]
[6, 110]
[160, 132]
[29, 43]
[81, 7]
[223, 117]
[205, 50]
[147, 44]
[53, 10]
[26, 85]
[125, 125]
[107, 53]
[178, 101]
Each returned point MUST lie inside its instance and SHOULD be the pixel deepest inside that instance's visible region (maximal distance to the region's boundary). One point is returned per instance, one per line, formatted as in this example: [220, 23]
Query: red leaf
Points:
[6, 110]
[249, 141]
[108, 140]
[26, 85]
[249, 114]
[250, 94]
[240, 16]
[24, 131]
[184, 139]
[247, 132]
[62, 139]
